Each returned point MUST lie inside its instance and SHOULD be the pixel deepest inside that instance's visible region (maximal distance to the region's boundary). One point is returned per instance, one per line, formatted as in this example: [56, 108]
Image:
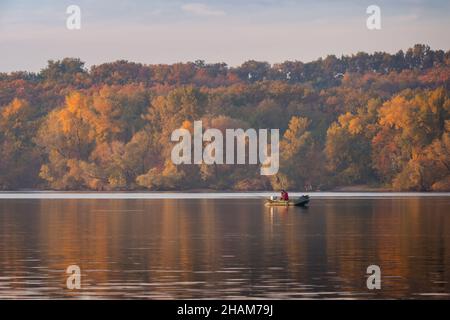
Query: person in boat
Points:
[284, 195]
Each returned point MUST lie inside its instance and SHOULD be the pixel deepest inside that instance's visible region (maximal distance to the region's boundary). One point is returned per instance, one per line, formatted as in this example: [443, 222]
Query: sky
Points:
[231, 31]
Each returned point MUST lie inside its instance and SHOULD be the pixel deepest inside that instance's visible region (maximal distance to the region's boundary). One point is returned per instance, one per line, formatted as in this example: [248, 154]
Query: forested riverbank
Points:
[379, 120]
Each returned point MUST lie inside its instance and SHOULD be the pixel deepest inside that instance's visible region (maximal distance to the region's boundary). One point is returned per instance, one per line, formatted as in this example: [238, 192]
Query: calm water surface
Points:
[225, 248]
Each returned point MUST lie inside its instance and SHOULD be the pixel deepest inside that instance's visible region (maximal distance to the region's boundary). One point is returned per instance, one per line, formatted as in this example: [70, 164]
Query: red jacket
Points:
[285, 196]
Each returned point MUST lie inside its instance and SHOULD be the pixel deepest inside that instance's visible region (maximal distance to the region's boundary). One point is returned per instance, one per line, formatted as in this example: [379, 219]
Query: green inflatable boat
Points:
[293, 201]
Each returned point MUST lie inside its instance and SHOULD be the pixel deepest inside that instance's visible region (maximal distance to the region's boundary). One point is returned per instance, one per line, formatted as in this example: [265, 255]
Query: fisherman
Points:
[284, 195]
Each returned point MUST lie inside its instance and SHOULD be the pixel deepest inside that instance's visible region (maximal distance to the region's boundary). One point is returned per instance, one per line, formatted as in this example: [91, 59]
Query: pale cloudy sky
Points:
[231, 31]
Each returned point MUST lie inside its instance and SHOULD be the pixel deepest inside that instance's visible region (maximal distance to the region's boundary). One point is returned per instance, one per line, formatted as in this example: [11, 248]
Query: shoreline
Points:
[55, 195]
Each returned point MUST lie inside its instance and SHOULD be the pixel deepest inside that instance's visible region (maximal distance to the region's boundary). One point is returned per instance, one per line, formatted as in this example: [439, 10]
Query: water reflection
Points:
[224, 248]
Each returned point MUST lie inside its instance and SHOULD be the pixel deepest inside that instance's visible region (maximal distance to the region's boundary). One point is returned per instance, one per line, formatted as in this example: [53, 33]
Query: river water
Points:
[224, 246]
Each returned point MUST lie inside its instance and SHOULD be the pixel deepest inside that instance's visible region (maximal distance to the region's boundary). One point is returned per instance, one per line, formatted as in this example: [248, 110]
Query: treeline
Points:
[367, 119]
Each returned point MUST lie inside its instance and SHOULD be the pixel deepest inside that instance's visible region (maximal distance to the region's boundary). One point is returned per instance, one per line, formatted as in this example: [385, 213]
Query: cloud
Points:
[201, 9]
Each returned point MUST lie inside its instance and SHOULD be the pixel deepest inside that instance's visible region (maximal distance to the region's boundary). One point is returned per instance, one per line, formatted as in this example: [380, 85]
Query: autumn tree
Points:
[348, 146]
[411, 126]
[68, 138]
[300, 158]
[19, 157]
